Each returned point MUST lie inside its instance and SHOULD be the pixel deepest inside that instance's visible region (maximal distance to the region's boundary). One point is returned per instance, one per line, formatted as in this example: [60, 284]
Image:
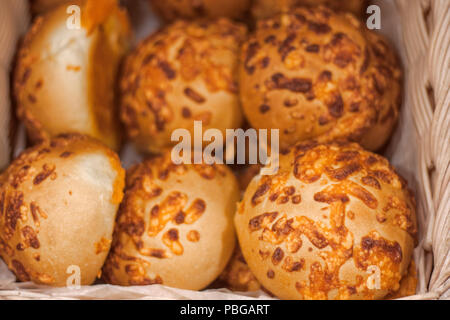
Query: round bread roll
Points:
[58, 202]
[335, 222]
[65, 75]
[171, 10]
[316, 74]
[262, 9]
[237, 275]
[184, 73]
[175, 225]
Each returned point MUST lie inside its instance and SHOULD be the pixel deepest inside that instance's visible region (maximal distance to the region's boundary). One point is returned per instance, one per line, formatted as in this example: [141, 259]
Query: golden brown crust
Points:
[387, 81]
[312, 73]
[171, 10]
[332, 213]
[174, 226]
[59, 67]
[408, 284]
[180, 74]
[50, 213]
[262, 9]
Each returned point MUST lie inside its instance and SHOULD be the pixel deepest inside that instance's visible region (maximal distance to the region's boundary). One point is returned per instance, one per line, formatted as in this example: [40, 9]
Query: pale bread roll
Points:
[58, 202]
[65, 76]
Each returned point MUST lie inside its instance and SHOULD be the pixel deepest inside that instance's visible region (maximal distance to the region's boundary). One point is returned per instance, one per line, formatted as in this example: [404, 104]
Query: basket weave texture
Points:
[425, 25]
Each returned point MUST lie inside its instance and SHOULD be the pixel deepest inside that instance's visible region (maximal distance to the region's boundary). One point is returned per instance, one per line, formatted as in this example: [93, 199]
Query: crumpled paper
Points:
[10, 289]
[401, 152]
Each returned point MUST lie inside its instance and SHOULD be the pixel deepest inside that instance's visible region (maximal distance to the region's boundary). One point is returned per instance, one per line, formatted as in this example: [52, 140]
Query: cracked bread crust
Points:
[58, 202]
[64, 79]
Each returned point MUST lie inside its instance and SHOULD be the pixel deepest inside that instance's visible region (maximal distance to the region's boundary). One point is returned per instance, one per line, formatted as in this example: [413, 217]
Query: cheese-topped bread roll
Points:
[335, 222]
[314, 73]
[183, 73]
[175, 225]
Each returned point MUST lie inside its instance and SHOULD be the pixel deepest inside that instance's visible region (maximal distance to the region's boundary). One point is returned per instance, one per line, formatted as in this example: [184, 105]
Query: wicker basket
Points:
[425, 49]
[425, 25]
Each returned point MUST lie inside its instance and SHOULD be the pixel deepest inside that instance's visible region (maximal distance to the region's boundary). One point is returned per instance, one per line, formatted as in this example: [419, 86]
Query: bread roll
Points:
[316, 74]
[171, 10]
[335, 222]
[183, 73]
[58, 202]
[65, 76]
[262, 9]
[175, 225]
